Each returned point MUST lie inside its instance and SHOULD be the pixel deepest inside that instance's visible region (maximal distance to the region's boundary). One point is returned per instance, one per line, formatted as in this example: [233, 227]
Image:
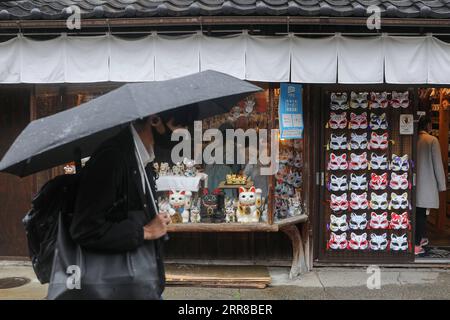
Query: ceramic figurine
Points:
[230, 211]
[248, 212]
[189, 170]
[156, 168]
[295, 206]
[178, 169]
[164, 169]
[212, 203]
[178, 206]
[195, 212]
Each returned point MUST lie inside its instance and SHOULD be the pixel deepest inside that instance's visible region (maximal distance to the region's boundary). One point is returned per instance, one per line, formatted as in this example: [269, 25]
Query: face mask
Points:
[378, 242]
[399, 163]
[400, 99]
[358, 242]
[358, 141]
[338, 120]
[338, 162]
[358, 201]
[358, 121]
[378, 141]
[338, 183]
[378, 221]
[358, 182]
[399, 201]
[358, 222]
[378, 182]
[400, 221]
[399, 243]
[338, 142]
[338, 223]
[339, 203]
[337, 242]
[378, 201]
[358, 162]
[378, 100]
[359, 100]
[339, 101]
[378, 162]
[378, 122]
[399, 181]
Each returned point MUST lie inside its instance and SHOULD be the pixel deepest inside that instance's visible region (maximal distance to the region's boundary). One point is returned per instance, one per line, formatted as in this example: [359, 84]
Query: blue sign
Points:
[290, 111]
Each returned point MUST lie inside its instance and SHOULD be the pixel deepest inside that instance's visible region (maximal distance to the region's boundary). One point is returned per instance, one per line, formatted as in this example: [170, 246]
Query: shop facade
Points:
[353, 170]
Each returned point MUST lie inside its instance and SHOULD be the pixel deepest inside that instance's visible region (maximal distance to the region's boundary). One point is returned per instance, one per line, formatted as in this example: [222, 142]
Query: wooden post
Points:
[270, 124]
[443, 141]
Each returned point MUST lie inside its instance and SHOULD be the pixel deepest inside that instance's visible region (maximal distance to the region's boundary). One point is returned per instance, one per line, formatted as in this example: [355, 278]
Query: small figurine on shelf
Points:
[212, 204]
[178, 169]
[248, 211]
[265, 214]
[190, 170]
[295, 206]
[178, 200]
[156, 168]
[195, 212]
[230, 211]
[164, 169]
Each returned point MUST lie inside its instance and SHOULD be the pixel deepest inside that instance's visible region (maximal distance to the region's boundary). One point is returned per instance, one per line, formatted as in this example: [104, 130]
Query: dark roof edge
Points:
[224, 20]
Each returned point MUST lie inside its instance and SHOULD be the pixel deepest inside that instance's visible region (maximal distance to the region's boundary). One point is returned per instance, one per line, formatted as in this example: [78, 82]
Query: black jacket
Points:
[109, 214]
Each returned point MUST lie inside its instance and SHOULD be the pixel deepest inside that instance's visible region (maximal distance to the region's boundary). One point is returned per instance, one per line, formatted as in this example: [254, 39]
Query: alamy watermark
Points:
[74, 20]
[374, 280]
[374, 20]
[74, 279]
[240, 147]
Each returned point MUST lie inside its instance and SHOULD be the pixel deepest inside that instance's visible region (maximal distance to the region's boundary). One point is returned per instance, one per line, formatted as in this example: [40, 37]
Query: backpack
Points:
[41, 222]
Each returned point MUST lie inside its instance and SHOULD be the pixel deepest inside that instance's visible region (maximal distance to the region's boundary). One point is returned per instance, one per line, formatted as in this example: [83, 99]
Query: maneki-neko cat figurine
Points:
[249, 207]
[212, 203]
[179, 206]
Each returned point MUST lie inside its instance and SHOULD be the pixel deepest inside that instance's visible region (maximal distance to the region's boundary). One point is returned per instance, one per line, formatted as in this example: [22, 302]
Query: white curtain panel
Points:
[87, 59]
[314, 60]
[131, 59]
[10, 61]
[396, 60]
[438, 61]
[268, 59]
[176, 56]
[360, 60]
[42, 61]
[226, 54]
[406, 59]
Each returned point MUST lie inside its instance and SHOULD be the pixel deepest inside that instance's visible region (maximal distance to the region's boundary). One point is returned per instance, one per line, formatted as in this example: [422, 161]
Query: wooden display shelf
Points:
[236, 227]
[222, 227]
[288, 226]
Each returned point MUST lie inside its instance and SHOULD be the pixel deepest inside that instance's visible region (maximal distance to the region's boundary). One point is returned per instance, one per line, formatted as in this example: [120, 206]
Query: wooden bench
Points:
[300, 250]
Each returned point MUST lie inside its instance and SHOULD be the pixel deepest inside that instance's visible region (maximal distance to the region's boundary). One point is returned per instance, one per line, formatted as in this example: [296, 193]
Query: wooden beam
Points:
[222, 227]
[221, 20]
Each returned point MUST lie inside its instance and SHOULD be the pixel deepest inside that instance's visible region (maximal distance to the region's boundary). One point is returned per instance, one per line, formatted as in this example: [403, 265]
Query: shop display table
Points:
[288, 226]
[170, 182]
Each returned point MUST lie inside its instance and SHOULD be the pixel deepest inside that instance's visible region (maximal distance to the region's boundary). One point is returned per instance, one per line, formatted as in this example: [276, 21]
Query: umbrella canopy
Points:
[53, 140]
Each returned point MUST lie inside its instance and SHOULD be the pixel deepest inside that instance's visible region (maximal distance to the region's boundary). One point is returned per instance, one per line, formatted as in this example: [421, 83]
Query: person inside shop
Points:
[217, 172]
[167, 122]
[430, 180]
[109, 212]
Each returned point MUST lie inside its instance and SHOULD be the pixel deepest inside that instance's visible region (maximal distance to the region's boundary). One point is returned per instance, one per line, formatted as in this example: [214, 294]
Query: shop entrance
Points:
[366, 180]
[435, 102]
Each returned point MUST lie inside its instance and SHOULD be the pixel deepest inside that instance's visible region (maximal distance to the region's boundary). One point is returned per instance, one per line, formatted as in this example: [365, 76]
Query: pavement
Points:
[319, 284]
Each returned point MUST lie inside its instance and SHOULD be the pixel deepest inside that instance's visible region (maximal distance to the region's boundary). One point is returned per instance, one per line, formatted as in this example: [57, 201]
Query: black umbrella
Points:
[58, 139]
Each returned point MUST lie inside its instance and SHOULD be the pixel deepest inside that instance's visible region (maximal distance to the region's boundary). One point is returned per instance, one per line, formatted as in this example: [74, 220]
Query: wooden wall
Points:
[15, 193]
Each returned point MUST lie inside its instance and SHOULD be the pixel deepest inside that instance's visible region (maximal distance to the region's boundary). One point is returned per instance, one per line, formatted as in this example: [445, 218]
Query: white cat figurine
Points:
[180, 202]
[250, 201]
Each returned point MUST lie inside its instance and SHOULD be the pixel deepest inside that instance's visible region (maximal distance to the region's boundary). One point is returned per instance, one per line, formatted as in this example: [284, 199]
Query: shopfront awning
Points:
[336, 59]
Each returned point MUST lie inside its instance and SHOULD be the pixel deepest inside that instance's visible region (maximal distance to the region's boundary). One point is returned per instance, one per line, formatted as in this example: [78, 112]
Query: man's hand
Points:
[156, 228]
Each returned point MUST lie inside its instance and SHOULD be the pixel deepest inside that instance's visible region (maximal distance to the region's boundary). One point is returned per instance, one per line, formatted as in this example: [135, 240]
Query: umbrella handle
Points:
[141, 164]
